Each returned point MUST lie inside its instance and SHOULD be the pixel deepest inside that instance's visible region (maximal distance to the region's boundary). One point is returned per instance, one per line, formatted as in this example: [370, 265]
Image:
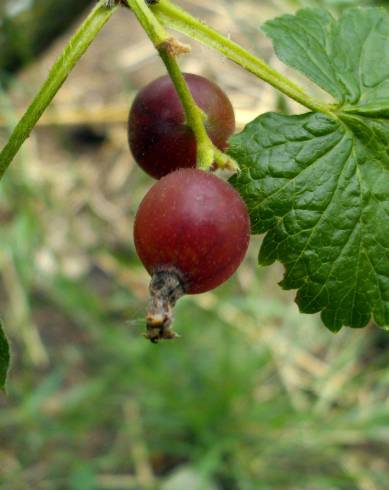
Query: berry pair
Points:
[192, 228]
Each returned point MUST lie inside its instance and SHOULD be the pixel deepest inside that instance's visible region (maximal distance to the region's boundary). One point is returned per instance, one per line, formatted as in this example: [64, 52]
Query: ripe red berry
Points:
[191, 233]
[160, 140]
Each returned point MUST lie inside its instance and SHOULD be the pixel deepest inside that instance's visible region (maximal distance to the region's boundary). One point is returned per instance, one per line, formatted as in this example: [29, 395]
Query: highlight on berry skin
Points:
[191, 232]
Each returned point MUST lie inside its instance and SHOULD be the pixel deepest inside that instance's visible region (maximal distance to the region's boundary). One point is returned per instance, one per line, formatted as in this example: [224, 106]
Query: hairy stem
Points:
[57, 76]
[168, 49]
[178, 19]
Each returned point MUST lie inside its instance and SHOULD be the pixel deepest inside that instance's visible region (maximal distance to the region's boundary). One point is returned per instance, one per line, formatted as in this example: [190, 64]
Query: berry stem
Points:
[168, 48]
[180, 20]
[154, 29]
[57, 76]
[193, 114]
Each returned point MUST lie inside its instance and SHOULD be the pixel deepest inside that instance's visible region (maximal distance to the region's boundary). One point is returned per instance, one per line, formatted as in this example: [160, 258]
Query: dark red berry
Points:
[191, 233]
[160, 140]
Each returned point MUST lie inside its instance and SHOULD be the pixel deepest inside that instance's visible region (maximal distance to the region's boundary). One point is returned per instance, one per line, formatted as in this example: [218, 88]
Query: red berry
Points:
[160, 140]
[191, 233]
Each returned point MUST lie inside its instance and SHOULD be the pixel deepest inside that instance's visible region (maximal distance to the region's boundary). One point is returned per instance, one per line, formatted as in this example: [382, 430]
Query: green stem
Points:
[57, 76]
[168, 47]
[148, 21]
[176, 18]
[193, 114]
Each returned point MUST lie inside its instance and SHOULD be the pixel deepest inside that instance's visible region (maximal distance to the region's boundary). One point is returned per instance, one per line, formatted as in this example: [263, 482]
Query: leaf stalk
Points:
[176, 18]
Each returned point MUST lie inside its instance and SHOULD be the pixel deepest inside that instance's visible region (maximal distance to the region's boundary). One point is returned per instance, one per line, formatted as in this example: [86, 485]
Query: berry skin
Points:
[191, 233]
[160, 140]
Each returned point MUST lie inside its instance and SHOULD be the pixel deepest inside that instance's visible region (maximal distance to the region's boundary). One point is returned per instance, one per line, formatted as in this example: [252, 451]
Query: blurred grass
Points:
[253, 396]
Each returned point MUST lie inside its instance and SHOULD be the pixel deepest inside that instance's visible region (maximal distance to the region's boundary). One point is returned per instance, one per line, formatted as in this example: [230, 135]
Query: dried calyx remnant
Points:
[166, 288]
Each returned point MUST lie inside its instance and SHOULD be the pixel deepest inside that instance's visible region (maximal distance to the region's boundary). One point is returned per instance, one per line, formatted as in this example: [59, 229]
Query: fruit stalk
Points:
[168, 48]
[193, 115]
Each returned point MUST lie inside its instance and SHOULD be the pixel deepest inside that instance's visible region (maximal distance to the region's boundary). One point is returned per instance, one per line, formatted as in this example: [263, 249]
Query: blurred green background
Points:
[253, 396]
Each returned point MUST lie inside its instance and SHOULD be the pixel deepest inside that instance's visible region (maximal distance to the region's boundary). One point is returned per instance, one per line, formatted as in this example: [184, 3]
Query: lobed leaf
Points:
[348, 58]
[319, 186]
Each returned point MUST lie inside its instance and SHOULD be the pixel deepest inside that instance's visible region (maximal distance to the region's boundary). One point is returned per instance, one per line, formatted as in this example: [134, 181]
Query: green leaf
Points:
[4, 358]
[319, 186]
[348, 58]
